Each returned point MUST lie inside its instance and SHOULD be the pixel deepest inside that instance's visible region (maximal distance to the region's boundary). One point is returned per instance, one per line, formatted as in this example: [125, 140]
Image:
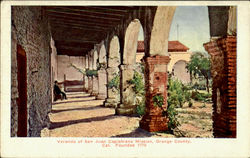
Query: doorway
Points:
[22, 91]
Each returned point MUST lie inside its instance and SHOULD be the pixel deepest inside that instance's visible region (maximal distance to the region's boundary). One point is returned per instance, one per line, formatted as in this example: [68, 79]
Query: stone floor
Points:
[83, 116]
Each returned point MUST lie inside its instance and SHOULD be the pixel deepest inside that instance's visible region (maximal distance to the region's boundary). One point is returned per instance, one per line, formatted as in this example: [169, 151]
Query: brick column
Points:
[127, 105]
[113, 98]
[156, 84]
[223, 69]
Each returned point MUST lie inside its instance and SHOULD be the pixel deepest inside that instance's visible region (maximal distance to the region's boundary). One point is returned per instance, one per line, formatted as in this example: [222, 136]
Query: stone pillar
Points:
[90, 84]
[86, 83]
[156, 84]
[85, 77]
[94, 86]
[127, 105]
[90, 67]
[113, 98]
[102, 82]
[223, 70]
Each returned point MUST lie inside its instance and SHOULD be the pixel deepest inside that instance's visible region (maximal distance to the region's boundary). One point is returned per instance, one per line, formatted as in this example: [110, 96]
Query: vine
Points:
[115, 82]
[138, 85]
[91, 73]
[158, 100]
[82, 71]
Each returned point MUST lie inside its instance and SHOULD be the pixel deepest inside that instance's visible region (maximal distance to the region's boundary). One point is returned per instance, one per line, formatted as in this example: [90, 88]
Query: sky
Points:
[193, 27]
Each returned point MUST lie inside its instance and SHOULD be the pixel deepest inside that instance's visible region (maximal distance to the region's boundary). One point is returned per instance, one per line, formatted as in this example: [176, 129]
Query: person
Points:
[57, 91]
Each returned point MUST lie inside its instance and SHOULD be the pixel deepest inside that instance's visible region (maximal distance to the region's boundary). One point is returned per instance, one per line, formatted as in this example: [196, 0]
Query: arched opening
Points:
[113, 74]
[130, 71]
[102, 74]
[189, 30]
[180, 72]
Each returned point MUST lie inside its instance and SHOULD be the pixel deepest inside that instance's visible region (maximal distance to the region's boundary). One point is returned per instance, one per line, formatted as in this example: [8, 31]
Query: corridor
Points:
[83, 116]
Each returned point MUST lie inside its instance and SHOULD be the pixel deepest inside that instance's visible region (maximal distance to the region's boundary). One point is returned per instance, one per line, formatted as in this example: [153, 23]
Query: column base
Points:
[93, 94]
[153, 123]
[112, 103]
[101, 96]
[125, 110]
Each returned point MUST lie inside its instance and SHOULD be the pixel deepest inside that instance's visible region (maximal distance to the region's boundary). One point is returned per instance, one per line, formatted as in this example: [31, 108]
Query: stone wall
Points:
[30, 31]
[223, 58]
[65, 70]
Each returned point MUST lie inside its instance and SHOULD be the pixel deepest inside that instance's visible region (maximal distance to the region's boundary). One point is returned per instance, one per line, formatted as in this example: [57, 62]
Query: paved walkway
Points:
[83, 116]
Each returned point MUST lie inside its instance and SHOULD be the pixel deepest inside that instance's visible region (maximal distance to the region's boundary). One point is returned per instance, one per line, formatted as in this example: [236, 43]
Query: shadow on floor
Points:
[73, 97]
[73, 101]
[136, 133]
[54, 125]
[74, 109]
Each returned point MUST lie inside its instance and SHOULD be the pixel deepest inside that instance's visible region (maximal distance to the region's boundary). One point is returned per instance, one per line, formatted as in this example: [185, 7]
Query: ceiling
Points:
[76, 29]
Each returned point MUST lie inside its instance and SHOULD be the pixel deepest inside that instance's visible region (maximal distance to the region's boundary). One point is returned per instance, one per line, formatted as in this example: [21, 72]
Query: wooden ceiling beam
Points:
[52, 18]
[101, 28]
[114, 8]
[91, 20]
[76, 27]
[90, 11]
[82, 15]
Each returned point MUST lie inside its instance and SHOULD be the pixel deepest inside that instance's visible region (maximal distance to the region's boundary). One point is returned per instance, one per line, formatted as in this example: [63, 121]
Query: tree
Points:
[200, 65]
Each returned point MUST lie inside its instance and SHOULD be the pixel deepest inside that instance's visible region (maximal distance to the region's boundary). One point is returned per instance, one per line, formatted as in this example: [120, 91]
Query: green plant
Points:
[172, 113]
[138, 84]
[178, 93]
[158, 100]
[140, 109]
[190, 104]
[91, 73]
[203, 97]
[115, 82]
[101, 65]
[200, 65]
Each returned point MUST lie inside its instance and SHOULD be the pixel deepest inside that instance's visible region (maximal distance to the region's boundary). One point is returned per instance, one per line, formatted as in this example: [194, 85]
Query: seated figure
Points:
[58, 94]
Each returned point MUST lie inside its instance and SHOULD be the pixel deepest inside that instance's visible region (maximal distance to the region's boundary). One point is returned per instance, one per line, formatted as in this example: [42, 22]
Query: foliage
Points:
[158, 100]
[203, 97]
[140, 108]
[138, 84]
[115, 82]
[78, 69]
[91, 73]
[172, 113]
[200, 65]
[139, 89]
[101, 65]
[178, 93]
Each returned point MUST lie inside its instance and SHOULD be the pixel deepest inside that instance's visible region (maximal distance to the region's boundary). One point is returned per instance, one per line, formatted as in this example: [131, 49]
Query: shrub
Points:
[91, 73]
[138, 84]
[140, 108]
[158, 100]
[178, 94]
[203, 97]
[115, 82]
[173, 122]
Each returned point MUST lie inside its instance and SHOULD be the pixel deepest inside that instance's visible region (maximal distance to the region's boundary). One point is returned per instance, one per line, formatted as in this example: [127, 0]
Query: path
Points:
[83, 116]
